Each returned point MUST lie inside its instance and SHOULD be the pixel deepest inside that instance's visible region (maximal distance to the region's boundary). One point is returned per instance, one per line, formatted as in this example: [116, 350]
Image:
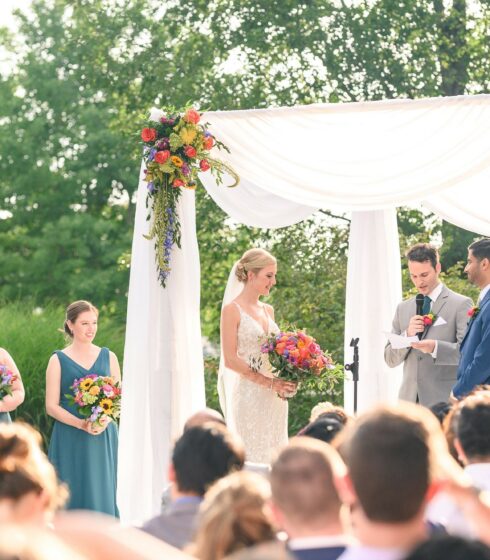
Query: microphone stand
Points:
[354, 368]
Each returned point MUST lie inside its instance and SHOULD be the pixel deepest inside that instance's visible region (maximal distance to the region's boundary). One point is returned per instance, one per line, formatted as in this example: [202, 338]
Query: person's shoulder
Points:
[231, 309]
[273, 549]
[269, 308]
[456, 295]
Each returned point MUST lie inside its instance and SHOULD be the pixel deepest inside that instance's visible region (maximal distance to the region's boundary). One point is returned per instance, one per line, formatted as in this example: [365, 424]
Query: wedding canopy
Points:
[363, 158]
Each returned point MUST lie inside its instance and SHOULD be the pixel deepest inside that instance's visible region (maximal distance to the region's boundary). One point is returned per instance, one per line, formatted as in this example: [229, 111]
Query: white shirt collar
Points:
[330, 541]
[436, 292]
[483, 293]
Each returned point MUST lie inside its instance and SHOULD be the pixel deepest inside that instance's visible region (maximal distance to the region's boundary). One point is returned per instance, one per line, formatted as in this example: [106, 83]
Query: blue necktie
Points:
[426, 306]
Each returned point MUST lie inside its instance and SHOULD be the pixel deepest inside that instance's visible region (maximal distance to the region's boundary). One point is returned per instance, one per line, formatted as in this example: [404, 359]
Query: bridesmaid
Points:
[10, 403]
[84, 455]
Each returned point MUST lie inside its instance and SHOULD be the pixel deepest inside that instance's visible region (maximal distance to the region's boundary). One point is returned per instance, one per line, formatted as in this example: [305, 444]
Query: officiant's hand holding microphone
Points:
[416, 326]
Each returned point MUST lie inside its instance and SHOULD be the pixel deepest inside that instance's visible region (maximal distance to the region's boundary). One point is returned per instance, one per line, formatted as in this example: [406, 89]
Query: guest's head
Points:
[440, 410]
[29, 489]
[472, 428]
[329, 410]
[81, 320]
[202, 455]
[234, 515]
[478, 264]
[204, 416]
[257, 269]
[303, 482]
[391, 456]
[450, 548]
[424, 267]
[324, 428]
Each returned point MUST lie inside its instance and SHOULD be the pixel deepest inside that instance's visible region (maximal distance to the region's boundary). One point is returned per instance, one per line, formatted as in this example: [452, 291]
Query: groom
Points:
[474, 366]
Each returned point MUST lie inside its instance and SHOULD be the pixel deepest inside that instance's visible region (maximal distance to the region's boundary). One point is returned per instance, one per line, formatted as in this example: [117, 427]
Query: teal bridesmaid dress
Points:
[85, 462]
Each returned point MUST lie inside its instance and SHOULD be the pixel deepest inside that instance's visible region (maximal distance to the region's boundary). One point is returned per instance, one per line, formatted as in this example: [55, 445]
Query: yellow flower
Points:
[94, 390]
[177, 161]
[187, 134]
[106, 405]
[86, 384]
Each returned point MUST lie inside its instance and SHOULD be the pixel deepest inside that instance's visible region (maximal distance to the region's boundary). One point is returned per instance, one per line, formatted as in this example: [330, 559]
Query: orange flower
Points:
[148, 134]
[178, 183]
[280, 347]
[161, 157]
[208, 142]
[192, 116]
[176, 161]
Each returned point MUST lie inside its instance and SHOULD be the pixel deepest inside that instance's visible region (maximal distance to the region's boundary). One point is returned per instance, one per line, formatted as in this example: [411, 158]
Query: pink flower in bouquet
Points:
[208, 142]
[148, 134]
[190, 151]
[108, 390]
[192, 116]
[204, 165]
[178, 183]
[161, 157]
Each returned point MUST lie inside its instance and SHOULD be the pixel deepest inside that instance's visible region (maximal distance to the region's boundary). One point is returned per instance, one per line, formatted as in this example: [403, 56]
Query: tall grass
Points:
[31, 335]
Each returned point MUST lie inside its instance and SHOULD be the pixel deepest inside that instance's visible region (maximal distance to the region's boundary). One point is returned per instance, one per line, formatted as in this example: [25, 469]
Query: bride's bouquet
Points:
[296, 356]
[97, 398]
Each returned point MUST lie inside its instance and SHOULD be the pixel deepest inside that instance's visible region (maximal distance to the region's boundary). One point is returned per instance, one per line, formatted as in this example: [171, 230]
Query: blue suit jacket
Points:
[327, 553]
[474, 364]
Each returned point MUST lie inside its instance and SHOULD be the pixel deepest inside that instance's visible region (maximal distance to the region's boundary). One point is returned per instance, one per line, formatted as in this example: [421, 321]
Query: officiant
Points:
[430, 364]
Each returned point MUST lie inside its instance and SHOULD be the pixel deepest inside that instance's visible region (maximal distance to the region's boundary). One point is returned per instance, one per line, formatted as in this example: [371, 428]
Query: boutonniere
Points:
[473, 312]
[429, 319]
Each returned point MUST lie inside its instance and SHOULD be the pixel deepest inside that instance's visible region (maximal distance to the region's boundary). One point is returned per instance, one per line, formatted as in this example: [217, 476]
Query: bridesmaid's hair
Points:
[253, 260]
[74, 310]
[24, 468]
[233, 516]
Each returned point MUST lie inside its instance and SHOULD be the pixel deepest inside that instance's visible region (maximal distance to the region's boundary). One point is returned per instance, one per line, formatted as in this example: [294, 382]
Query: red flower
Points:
[208, 142]
[190, 151]
[148, 134]
[204, 165]
[178, 183]
[161, 157]
[192, 116]
[473, 312]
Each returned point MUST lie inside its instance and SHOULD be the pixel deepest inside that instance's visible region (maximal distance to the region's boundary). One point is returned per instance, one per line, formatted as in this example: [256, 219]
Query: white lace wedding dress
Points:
[256, 413]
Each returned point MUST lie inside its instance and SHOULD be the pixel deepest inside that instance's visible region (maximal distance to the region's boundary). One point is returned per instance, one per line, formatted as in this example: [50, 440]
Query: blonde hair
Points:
[253, 260]
[74, 310]
[24, 468]
[233, 516]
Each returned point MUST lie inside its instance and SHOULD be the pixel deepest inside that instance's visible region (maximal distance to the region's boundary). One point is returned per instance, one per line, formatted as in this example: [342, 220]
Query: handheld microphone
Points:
[419, 302]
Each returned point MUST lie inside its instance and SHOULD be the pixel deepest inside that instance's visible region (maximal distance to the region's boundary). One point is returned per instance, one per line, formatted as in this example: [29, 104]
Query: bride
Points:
[251, 398]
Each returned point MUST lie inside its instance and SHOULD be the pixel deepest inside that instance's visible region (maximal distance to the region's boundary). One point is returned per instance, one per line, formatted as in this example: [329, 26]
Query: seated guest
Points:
[29, 489]
[200, 457]
[331, 410]
[305, 501]
[450, 548]
[233, 516]
[203, 417]
[471, 423]
[391, 455]
[324, 428]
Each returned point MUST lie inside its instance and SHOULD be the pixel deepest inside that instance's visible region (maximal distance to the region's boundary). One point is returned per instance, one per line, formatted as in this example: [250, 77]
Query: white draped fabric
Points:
[364, 158]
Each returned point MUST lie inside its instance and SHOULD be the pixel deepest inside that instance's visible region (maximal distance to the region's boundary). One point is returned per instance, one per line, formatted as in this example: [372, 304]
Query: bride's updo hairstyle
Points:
[74, 310]
[253, 260]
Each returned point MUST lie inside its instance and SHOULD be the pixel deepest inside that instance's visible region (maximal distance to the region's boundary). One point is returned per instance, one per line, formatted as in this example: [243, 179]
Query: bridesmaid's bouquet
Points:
[7, 379]
[296, 356]
[97, 398]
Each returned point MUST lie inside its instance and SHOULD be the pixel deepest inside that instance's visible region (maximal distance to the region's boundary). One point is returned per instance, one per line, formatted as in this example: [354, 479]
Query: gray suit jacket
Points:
[176, 525]
[431, 380]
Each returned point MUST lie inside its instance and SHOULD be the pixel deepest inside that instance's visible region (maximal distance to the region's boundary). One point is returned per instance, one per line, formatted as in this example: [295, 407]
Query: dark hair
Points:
[74, 310]
[24, 468]
[390, 461]
[447, 547]
[324, 428]
[204, 454]
[302, 481]
[440, 410]
[472, 425]
[481, 248]
[423, 252]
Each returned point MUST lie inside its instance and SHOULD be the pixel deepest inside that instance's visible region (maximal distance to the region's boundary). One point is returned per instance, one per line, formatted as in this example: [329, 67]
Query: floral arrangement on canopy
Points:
[177, 147]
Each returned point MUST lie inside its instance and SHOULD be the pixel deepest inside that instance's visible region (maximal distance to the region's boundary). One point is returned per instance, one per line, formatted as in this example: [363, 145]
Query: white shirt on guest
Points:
[371, 553]
[483, 293]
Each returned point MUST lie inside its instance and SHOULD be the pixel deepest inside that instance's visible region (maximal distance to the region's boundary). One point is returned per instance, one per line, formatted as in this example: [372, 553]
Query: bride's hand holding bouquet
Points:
[296, 357]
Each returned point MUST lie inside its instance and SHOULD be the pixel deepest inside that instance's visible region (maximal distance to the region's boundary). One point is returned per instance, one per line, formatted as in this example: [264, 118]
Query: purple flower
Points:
[151, 154]
[163, 144]
[151, 187]
[185, 169]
